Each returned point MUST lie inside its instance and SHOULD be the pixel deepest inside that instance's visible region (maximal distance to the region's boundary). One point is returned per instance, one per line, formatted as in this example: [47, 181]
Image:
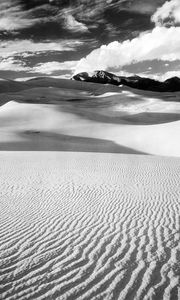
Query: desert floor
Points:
[89, 192]
[89, 226]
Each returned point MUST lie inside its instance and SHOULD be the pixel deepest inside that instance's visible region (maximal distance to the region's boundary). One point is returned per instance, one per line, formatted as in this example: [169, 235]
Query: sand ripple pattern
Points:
[89, 226]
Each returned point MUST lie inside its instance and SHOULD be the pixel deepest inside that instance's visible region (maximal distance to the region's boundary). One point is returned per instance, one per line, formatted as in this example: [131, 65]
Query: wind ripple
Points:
[89, 226]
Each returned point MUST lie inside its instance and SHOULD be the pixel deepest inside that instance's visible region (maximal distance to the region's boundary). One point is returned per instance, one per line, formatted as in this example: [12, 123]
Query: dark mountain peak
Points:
[98, 76]
[137, 82]
[83, 76]
[174, 79]
[173, 84]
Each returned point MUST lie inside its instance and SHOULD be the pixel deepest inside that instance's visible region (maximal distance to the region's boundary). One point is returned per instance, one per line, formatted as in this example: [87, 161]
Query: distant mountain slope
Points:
[8, 86]
[69, 84]
[86, 82]
[137, 82]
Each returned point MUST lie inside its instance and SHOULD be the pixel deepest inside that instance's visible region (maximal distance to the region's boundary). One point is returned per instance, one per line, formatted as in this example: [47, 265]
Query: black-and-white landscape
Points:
[89, 150]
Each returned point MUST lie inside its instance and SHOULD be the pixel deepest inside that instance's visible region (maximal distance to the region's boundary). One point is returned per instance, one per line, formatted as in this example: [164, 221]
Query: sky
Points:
[60, 38]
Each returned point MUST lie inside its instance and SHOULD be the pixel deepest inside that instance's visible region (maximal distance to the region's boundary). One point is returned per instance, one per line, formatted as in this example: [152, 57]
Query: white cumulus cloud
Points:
[168, 14]
[169, 74]
[161, 43]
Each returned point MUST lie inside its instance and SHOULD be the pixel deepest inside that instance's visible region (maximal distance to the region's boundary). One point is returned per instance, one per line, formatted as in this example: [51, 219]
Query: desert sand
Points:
[89, 192]
[89, 226]
[51, 114]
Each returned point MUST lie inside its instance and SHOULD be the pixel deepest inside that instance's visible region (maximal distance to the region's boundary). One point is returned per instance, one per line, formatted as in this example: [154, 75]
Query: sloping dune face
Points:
[89, 226]
[47, 114]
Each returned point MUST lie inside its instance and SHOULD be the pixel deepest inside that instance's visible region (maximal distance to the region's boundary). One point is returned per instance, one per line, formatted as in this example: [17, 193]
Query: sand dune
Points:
[89, 226]
[7, 86]
[39, 124]
[77, 225]
[56, 114]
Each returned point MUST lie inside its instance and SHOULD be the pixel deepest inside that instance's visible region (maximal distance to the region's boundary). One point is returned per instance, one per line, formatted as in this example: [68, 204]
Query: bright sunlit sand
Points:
[89, 226]
[84, 213]
[89, 150]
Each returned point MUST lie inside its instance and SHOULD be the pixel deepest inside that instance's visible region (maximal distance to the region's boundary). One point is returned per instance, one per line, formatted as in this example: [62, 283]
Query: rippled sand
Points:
[89, 226]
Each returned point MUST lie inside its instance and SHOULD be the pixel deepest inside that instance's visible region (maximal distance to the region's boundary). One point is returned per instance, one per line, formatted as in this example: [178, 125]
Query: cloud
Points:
[18, 55]
[161, 43]
[158, 76]
[98, 20]
[168, 14]
[53, 66]
[75, 15]
[13, 64]
[72, 24]
[28, 47]
[12, 17]
[145, 7]
[161, 76]
[48, 68]
[169, 74]
[15, 16]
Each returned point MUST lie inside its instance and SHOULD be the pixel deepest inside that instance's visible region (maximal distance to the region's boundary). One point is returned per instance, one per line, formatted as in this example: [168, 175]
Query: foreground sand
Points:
[89, 226]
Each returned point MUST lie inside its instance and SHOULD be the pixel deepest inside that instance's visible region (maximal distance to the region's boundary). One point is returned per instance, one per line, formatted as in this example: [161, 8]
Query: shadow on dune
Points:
[79, 98]
[151, 118]
[45, 141]
[144, 118]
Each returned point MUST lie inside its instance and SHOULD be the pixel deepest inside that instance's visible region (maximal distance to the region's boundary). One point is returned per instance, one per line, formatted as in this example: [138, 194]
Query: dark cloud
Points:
[90, 23]
[27, 5]
[40, 19]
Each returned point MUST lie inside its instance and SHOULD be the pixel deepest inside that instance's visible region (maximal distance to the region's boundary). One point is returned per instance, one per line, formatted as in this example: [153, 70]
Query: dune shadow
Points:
[32, 140]
[151, 118]
[144, 118]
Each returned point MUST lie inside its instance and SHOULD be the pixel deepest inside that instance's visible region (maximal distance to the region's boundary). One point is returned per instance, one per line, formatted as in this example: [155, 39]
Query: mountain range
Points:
[137, 82]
